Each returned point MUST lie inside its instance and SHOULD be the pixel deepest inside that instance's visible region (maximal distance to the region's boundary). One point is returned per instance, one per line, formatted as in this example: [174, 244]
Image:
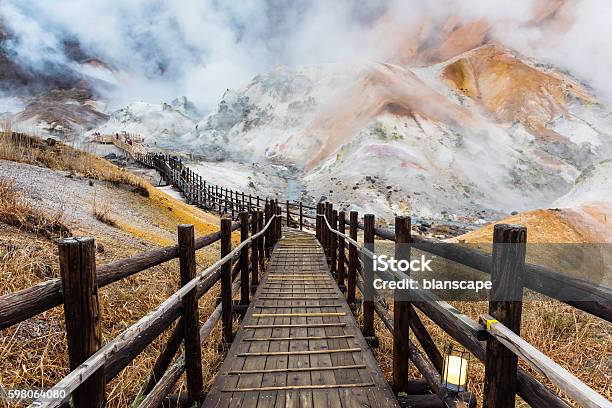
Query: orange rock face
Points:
[511, 89]
[380, 88]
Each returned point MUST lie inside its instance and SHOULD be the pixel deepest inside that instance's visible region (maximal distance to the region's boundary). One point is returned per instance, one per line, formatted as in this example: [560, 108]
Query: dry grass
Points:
[17, 211]
[34, 352]
[103, 215]
[58, 156]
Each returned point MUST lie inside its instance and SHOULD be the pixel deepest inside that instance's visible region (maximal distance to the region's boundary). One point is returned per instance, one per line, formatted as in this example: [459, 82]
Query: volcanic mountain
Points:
[475, 137]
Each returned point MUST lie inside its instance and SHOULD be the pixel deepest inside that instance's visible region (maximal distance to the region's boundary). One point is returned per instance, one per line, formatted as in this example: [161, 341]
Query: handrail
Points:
[18, 306]
[463, 329]
[356, 244]
[79, 375]
[594, 298]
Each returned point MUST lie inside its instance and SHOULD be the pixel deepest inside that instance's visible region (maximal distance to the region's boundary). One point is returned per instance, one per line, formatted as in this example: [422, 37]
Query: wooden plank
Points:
[300, 387]
[289, 370]
[297, 325]
[302, 352]
[319, 337]
[299, 314]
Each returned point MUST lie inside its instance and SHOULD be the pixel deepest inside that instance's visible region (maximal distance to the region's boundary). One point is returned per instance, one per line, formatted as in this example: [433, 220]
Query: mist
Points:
[159, 50]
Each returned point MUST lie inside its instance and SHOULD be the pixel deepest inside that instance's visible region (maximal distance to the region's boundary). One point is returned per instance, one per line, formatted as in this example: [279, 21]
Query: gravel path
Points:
[59, 192]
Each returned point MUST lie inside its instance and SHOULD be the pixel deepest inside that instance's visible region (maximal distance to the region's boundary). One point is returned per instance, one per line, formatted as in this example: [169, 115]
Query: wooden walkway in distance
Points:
[299, 344]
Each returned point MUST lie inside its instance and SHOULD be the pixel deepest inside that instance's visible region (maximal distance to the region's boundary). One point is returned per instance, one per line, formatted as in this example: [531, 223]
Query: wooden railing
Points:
[503, 378]
[93, 365]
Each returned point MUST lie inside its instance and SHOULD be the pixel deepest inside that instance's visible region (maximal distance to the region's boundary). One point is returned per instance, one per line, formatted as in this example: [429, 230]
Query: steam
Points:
[187, 47]
[162, 49]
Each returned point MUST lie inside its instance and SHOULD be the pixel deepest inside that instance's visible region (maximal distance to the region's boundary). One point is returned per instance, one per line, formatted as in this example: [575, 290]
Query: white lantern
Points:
[455, 369]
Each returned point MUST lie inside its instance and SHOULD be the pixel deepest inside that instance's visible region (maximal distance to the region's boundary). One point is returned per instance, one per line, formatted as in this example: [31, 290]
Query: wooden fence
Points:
[92, 366]
[500, 329]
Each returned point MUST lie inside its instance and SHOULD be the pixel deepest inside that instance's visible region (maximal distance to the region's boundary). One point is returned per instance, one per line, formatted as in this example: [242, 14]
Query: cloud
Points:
[196, 48]
[199, 48]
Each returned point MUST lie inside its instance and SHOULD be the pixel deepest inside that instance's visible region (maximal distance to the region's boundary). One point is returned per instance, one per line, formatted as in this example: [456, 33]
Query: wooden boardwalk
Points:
[299, 344]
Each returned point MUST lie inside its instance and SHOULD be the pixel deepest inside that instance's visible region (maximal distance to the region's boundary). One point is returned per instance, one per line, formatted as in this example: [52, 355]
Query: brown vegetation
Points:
[103, 215]
[15, 210]
[34, 352]
[56, 155]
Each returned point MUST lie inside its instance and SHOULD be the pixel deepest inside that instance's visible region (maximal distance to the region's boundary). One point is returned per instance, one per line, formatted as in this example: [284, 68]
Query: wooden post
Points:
[267, 233]
[318, 222]
[326, 221]
[272, 228]
[191, 324]
[273, 225]
[245, 288]
[279, 225]
[260, 243]
[368, 277]
[333, 243]
[224, 201]
[254, 249]
[323, 227]
[232, 204]
[353, 259]
[401, 310]
[279, 221]
[287, 210]
[77, 258]
[301, 216]
[505, 305]
[341, 250]
[226, 281]
[204, 194]
[217, 201]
